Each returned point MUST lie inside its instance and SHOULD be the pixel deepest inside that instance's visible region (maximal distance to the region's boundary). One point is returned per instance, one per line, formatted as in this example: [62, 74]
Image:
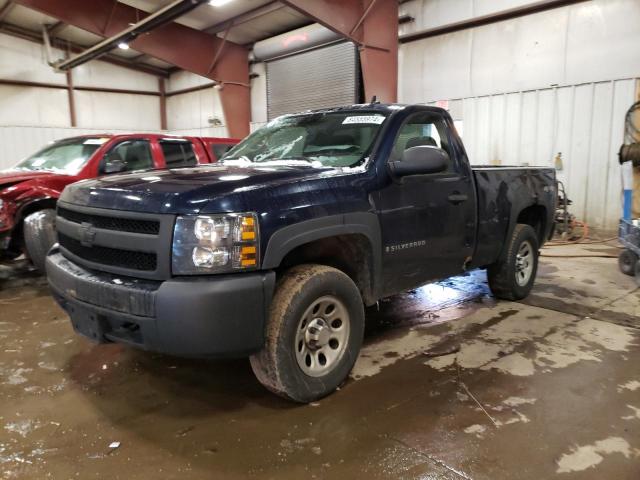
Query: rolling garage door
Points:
[324, 77]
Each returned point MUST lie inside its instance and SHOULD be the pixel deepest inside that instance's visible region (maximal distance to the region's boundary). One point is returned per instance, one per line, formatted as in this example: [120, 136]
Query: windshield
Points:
[336, 139]
[64, 156]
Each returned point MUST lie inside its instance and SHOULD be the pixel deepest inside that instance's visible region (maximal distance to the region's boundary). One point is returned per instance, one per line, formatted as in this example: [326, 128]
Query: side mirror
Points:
[420, 160]
[113, 164]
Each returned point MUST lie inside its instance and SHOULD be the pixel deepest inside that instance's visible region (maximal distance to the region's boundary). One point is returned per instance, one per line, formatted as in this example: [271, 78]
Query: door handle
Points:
[457, 198]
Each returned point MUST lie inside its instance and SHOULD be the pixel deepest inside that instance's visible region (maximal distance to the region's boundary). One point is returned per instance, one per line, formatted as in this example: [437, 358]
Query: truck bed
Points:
[500, 191]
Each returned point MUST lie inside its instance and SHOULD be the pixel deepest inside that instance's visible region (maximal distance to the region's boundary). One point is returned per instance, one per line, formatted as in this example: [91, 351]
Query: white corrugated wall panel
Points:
[117, 110]
[584, 122]
[511, 153]
[33, 106]
[577, 162]
[106, 75]
[192, 111]
[581, 43]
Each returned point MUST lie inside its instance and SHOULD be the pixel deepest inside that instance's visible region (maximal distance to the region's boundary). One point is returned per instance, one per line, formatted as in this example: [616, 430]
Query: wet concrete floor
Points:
[451, 384]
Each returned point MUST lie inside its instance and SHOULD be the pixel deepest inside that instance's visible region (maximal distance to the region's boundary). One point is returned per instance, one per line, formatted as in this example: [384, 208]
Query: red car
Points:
[29, 191]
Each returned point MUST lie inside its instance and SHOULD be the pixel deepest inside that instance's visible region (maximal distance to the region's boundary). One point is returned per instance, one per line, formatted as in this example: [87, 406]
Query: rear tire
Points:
[313, 336]
[627, 261]
[513, 275]
[39, 230]
[637, 272]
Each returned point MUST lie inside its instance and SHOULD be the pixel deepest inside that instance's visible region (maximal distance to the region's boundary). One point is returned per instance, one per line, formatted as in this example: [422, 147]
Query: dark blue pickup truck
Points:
[274, 252]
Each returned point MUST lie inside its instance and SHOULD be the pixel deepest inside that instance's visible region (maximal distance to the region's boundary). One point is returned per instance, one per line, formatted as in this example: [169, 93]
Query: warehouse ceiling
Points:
[243, 21]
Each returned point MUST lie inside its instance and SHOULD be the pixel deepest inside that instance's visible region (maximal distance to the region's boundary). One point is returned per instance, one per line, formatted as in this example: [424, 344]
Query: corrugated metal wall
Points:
[584, 123]
[504, 74]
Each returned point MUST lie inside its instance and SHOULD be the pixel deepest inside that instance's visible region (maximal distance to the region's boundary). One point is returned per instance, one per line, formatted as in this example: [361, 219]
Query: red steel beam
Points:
[380, 66]
[72, 99]
[163, 104]
[371, 24]
[185, 47]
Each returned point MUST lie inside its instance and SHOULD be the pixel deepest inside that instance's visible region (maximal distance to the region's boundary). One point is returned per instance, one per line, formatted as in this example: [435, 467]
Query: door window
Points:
[134, 154]
[178, 153]
[422, 129]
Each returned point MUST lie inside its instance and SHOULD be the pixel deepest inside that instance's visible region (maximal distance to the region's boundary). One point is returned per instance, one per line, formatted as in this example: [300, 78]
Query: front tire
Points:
[313, 335]
[39, 230]
[513, 275]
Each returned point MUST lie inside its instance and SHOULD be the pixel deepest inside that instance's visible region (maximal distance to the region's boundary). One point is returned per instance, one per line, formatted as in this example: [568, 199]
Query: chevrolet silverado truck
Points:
[29, 191]
[274, 252]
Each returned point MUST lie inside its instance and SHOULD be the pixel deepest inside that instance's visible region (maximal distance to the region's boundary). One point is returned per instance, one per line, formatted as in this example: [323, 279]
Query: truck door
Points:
[428, 221]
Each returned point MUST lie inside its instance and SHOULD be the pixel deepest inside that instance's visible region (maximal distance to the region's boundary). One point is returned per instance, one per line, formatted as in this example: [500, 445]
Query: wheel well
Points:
[32, 207]
[351, 254]
[536, 217]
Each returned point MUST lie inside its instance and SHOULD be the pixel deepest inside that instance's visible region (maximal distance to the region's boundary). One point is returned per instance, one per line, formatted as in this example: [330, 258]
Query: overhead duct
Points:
[157, 19]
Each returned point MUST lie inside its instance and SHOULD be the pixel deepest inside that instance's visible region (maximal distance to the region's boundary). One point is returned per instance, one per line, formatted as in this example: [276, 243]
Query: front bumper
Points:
[212, 316]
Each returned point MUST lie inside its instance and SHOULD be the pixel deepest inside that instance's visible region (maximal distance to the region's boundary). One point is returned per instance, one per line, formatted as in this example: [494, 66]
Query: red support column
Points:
[163, 104]
[72, 99]
[380, 62]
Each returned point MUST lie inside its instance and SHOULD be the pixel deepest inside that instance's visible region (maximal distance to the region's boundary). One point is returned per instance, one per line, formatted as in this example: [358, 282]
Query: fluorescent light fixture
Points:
[123, 46]
[218, 3]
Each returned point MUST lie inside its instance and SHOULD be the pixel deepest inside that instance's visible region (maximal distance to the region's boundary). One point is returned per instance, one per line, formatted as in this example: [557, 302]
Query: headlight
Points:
[215, 243]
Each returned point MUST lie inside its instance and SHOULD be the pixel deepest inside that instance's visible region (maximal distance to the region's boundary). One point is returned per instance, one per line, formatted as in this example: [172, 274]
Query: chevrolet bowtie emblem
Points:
[87, 234]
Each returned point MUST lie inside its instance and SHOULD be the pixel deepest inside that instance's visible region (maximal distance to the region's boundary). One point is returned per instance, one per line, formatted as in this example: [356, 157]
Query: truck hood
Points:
[13, 177]
[188, 190]
[22, 186]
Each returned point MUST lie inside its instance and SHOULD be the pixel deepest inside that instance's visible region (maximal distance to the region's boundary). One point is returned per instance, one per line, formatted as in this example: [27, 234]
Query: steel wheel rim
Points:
[524, 263]
[322, 335]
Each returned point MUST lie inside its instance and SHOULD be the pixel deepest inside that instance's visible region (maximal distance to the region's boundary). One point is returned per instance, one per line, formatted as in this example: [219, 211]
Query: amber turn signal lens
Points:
[248, 257]
[247, 229]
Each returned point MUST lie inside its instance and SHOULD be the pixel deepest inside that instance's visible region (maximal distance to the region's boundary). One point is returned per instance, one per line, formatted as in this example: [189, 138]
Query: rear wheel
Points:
[627, 261]
[314, 333]
[39, 230]
[637, 272]
[513, 275]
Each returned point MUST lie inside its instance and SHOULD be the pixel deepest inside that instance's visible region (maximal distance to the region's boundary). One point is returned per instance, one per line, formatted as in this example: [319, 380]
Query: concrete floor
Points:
[451, 384]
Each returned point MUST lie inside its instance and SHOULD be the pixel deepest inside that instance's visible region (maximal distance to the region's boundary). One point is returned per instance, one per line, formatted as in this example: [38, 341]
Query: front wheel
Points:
[39, 235]
[513, 275]
[313, 335]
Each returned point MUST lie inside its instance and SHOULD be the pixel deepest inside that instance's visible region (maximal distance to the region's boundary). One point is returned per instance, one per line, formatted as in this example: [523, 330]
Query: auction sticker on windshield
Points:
[375, 119]
[95, 141]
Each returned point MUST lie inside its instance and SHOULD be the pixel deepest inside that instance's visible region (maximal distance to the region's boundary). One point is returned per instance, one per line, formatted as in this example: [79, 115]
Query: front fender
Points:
[287, 238]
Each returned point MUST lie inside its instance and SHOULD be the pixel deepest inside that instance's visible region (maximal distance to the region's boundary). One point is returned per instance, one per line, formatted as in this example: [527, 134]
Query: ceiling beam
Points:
[139, 58]
[245, 17]
[185, 47]
[56, 28]
[33, 36]
[149, 23]
[6, 10]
